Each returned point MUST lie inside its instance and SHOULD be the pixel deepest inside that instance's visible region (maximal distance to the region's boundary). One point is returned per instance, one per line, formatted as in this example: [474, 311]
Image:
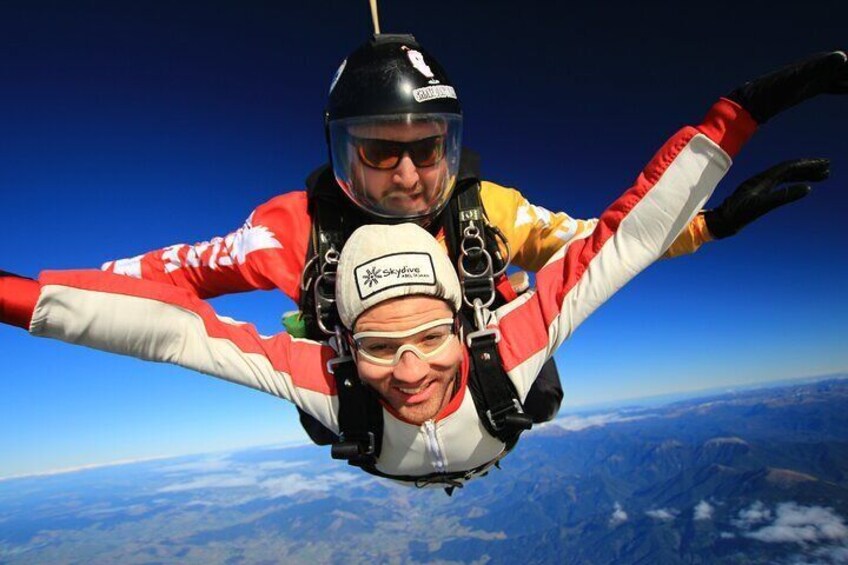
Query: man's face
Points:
[416, 389]
[404, 188]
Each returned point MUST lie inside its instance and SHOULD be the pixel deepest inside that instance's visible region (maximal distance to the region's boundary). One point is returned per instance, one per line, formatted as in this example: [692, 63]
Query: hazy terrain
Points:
[751, 477]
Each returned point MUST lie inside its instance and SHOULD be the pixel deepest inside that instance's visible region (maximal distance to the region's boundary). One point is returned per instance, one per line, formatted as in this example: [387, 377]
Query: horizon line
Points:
[666, 398]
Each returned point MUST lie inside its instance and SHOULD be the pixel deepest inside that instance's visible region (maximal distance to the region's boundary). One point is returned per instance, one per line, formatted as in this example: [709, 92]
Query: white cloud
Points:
[719, 441]
[292, 484]
[295, 483]
[202, 504]
[576, 423]
[662, 513]
[268, 479]
[829, 554]
[280, 465]
[619, 516]
[66, 470]
[203, 465]
[211, 481]
[754, 514]
[703, 511]
[802, 524]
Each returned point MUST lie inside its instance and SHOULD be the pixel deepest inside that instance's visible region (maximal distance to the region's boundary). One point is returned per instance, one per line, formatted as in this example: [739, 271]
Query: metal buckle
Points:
[480, 324]
[482, 333]
[476, 289]
[477, 278]
[337, 361]
[321, 302]
[339, 345]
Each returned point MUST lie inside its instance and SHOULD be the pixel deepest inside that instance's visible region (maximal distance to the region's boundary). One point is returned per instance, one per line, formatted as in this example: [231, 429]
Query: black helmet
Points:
[388, 100]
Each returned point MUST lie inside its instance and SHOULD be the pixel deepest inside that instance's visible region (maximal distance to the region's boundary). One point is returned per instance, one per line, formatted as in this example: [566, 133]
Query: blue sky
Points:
[130, 126]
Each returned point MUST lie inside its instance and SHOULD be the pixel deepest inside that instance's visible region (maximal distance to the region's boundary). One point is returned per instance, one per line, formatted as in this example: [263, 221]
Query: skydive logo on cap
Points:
[394, 270]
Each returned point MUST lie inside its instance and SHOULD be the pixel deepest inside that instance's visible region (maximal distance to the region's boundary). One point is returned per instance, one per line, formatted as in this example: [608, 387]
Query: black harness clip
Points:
[357, 448]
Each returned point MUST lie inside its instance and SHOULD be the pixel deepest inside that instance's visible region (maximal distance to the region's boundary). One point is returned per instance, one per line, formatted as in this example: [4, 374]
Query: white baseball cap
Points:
[379, 262]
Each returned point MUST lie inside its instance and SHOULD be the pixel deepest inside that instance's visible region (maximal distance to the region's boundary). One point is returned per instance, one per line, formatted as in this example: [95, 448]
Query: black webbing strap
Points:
[466, 212]
[360, 415]
[494, 395]
[475, 263]
[360, 419]
[478, 263]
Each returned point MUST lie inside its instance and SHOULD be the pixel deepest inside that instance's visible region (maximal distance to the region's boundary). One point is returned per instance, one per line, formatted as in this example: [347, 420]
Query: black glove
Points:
[761, 194]
[775, 92]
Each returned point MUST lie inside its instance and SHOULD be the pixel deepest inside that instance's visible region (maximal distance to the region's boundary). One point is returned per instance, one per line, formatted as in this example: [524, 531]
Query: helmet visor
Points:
[397, 167]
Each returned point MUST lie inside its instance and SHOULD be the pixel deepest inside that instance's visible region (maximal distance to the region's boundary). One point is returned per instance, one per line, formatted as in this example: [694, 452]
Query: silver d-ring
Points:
[483, 272]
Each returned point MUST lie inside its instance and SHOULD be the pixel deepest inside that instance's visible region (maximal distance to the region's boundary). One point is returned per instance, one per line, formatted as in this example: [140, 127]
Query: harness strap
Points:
[482, 267]
[359, 440]
[497, 403]
[360, 419]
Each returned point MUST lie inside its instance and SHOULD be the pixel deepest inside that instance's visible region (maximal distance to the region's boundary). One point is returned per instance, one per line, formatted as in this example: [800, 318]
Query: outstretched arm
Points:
[267, 252]
[536, 233]
[784, 182]
[166, 324]
[631, 234]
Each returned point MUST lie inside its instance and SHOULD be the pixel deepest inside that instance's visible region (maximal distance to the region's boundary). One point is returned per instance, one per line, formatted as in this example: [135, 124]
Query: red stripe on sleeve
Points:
[729, 125]
[304, 361]
[18, 297]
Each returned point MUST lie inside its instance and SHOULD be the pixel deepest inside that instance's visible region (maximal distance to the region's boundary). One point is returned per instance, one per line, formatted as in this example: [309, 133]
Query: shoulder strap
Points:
[472, 245]
[467, 229]
[495, 397]
[360, 415]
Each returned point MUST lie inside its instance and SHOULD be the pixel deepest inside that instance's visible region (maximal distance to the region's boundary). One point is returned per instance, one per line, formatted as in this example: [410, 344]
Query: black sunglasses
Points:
[386, 154]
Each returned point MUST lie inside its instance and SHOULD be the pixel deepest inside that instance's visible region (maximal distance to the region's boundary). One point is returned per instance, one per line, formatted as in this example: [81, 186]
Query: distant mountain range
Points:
[755, 476]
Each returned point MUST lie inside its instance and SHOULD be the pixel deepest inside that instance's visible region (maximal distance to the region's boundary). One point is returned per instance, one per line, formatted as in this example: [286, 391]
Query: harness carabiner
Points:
[475, 269]
[480, 323]
[324, 292]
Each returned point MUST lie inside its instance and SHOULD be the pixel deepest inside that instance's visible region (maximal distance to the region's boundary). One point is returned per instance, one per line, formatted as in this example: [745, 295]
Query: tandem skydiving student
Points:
[430, 398]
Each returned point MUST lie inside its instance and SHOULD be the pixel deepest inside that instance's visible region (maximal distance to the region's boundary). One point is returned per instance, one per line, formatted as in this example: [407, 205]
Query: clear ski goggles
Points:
[426, 342]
